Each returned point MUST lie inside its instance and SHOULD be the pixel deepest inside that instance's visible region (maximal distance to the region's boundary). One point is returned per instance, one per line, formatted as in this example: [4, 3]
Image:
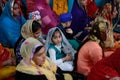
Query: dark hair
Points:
[35, 26]
[37, 49]
[57, 30]
[96, 32]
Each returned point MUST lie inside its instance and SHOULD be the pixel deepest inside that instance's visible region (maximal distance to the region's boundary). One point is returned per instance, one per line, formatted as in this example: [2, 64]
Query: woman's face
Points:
[82, 2]
[56, 38]
[37, 33]
[16, 10]
[40, 57]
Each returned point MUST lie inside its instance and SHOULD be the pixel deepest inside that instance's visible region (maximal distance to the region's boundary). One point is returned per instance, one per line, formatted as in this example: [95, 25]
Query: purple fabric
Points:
[79, 19]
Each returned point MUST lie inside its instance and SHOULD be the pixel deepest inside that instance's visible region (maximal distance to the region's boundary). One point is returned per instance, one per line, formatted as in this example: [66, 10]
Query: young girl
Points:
[59, 50]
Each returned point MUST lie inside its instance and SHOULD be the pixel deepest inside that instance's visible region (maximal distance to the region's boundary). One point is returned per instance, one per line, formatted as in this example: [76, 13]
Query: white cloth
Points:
[65, 66]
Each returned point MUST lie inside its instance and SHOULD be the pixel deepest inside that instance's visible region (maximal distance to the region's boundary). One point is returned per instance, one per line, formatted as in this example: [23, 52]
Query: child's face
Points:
[57, 38]
[66, 24]
[39, 57]
[37, 33]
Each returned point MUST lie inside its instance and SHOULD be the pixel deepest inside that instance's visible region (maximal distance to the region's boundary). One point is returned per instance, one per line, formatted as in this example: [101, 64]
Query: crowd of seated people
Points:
[59, 39]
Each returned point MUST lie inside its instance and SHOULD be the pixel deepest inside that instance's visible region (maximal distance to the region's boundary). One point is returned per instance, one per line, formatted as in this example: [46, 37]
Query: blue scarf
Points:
[9, 27]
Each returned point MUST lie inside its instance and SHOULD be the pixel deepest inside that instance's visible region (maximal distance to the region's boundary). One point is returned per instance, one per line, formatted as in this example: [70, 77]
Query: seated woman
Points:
[59, 49]
[92, 49]
[36, 66]
[10, 24]
[7, 64]
[30, 29]
[107, 68]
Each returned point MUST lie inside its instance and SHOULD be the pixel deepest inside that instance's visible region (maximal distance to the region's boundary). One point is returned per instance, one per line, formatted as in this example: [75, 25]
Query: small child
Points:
[66, 20]
[59, 50]
[35, 15]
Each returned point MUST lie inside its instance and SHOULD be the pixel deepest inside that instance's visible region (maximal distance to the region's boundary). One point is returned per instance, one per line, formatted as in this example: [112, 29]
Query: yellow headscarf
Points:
[29, 67]
[26, 30]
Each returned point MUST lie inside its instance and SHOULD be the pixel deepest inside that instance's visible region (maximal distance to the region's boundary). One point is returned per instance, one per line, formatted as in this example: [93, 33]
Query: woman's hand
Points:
[69, 30]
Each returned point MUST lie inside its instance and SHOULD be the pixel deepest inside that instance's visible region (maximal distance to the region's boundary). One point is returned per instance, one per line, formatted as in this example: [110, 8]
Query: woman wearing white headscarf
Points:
[60, 53]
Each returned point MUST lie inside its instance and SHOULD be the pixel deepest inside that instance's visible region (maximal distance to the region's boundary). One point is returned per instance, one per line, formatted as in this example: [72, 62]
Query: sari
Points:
[9, 27]
[48, 17]
[106, 68]
[79, 20]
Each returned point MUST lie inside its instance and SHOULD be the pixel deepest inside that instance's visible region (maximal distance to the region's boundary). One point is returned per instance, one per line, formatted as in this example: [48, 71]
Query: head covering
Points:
[10, 27]
[28, 48]
[26, 30]
[79, 20]
[28, 66]
[65, 17]
[35, 15]
[95, 35]
[65, 44]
